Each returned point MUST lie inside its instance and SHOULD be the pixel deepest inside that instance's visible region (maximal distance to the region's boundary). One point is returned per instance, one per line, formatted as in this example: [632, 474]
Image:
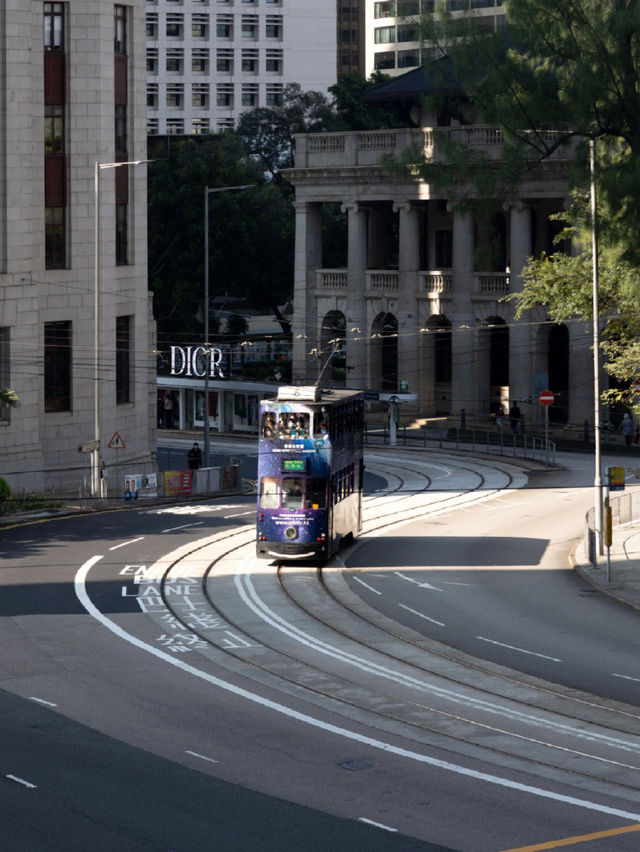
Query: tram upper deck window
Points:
[294, 425]
[269, 492]
[319, 425]
[316, 495]
[268, 428]
[292, 493]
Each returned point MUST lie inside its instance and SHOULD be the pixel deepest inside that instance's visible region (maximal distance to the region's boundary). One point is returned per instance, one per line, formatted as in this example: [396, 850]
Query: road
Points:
[163, 690]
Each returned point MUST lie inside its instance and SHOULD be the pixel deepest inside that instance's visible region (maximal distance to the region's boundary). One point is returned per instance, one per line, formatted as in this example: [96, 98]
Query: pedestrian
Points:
[194, 456]
[515, 416]
[168, 410]
[626, 427]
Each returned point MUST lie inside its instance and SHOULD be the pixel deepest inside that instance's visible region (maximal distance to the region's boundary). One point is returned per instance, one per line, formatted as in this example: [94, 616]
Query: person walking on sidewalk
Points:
[626, 427]
[194, 456]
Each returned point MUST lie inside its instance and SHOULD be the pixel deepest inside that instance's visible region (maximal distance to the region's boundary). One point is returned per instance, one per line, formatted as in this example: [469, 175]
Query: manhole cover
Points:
[356, 765]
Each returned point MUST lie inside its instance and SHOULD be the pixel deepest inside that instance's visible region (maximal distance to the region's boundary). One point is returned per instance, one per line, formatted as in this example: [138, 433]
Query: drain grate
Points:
[357, 765]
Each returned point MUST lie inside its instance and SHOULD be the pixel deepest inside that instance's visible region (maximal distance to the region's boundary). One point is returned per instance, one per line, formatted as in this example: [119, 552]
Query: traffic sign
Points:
[116, 442]
[546, 398]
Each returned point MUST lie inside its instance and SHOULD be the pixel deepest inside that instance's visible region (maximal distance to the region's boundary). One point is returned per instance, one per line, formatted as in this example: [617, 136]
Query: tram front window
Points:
[316, 494]
[292, 493]
[269, 492]
[268, 429]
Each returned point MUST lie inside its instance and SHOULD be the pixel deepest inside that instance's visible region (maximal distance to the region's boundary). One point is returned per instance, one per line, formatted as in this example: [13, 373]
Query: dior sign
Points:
[193, 361]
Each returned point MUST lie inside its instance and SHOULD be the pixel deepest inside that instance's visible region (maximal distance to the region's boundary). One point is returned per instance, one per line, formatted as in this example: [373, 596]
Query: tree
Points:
[8, 397]
[353, 112]
[267, 132]
[250, 238]
[559, 74]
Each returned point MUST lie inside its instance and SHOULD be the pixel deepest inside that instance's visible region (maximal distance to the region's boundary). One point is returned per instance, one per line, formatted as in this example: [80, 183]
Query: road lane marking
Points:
[627, 677]
[426, 617]
[572, 841]
[377, 824]
[366, 585]
[520, 650]
[42, 701]
[183, 527]
[422, 583]
[201, 756]
[24, 783]
[125, 543]
[327, 727]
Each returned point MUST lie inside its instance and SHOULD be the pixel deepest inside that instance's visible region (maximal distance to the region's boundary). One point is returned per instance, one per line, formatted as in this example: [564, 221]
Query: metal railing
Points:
[484, 441]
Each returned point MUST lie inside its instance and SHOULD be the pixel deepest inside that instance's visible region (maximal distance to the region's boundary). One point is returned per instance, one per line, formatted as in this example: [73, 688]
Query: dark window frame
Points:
[57, 366]
[123, 359]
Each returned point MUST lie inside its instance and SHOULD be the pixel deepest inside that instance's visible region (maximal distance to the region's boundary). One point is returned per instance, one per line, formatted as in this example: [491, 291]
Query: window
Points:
[199, 126]
[408, 32]
[175, 26]
[224, 95]
[153, 126]
[175, 126]
[122, 249]
[4, 370]
[250, 61]
[224, 124]
[224, 26]
[121, 129]
[57, 366]
[274, 26]
[316, 494]
[54, 238]
[152, 60]
[200, 60]
[152, 95]
[175, 95]
[384, 60]
[444, 249]
[224, 61]
[384, 35]
[151, 25]
[175, 60]
[54, 129]
[200, 26]
[200, 95]
[274, 95]
[274, 61]
[269, 492]
[54, 26]
[384, 10]
[120, 30]
[249, 94]
[249, 27]
[292, 492]
[408, 58]
[410, 7]
[123, 360]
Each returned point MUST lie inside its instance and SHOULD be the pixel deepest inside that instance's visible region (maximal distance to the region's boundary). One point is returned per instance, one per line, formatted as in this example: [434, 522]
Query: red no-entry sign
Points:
[546, 398]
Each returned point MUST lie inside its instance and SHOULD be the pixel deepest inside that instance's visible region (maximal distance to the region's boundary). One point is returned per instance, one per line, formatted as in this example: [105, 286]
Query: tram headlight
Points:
[291, 533]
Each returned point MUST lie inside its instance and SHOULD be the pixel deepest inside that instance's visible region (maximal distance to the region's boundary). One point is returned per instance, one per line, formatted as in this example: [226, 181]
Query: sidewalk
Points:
[625, 565]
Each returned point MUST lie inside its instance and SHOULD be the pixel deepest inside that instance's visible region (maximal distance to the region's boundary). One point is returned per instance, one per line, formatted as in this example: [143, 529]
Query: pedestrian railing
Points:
[484, 441]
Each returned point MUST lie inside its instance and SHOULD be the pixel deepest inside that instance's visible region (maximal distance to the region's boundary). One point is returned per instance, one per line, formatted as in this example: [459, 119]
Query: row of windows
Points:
[298, 492]
[198, 126]
[214, 2]
[343, 483]
[174, 61]
[400, 33]
[200, 95]
[398, 59]
[403, 8]
[249, 26]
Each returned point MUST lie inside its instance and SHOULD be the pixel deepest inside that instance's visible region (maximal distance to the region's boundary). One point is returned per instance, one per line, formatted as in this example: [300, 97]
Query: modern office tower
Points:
[351, 30]
[392, 30]
[208, 61]
[76, 331]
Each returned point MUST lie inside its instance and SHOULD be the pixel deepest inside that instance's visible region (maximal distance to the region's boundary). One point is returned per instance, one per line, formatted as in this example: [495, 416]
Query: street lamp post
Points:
[597, 483]
[207, 192]
[95, 453]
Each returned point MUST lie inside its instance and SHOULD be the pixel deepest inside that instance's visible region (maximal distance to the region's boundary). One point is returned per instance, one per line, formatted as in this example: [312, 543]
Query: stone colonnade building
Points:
[72, 93]
[419, 296]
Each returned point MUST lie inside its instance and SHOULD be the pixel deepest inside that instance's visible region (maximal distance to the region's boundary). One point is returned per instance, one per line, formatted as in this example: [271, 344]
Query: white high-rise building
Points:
[392, 30]
[208, 61]
[72, 90]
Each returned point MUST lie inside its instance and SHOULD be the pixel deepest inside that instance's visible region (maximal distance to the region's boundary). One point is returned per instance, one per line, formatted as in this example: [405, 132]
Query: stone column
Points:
[521, 348]
[407, 311]
[308, 258]
[357, 327]
[463, 386]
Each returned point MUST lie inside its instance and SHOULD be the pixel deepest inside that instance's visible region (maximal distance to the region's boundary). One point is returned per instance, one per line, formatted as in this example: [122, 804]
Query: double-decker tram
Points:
[309, 472]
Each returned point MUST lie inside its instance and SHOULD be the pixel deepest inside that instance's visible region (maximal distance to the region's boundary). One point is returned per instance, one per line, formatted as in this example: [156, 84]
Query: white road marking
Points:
[24, 783]
[184, 526]
[289, 712]
[125, 543]
[42, 701]
[366, 585]
[422, 583]
[239, 515]
[426, 617]
[376, 824]
[201, 756]
[627, 677]
[520, 650]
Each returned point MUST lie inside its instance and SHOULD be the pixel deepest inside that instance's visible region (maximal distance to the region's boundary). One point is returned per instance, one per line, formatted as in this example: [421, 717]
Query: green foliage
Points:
[5, 491]
[9, 397]
[352, 113]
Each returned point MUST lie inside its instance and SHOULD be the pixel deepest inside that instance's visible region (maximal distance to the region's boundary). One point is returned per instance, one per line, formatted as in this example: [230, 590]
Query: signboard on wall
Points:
[178, 483]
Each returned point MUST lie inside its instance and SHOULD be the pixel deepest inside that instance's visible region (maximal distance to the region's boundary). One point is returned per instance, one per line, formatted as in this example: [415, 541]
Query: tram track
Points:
[307, 678]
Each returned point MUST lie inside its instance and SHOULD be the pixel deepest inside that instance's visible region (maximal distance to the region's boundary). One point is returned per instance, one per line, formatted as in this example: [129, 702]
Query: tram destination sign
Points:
[192, 361]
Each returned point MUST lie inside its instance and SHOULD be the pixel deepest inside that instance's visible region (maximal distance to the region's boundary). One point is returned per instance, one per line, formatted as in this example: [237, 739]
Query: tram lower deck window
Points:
[316, 494]
[269, 492]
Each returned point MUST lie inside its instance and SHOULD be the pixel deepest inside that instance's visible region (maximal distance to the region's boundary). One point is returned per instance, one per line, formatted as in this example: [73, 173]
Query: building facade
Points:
[72, 94]
[421, 301]
[392, 31]
[208, 61]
